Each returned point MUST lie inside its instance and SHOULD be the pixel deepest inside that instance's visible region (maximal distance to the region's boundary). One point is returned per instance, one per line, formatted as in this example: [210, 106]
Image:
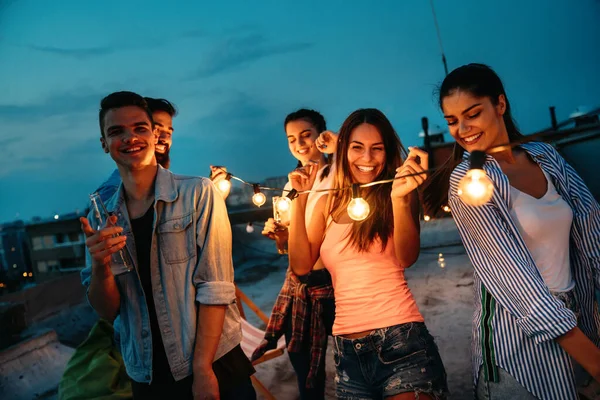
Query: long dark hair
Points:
[317, 120]
[480, 81]
[380, 223]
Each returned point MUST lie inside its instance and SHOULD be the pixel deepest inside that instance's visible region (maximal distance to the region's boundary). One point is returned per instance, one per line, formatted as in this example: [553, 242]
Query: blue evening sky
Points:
[236, 68]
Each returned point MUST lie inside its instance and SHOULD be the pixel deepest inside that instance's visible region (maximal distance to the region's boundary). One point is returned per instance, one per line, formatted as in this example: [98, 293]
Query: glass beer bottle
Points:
[122, 257]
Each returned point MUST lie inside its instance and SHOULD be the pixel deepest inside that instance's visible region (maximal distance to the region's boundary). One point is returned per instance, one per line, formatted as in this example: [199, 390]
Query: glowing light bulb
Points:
[24, 273]
[249, 227]
[426, 218]
[283, 204]
[224, 185]
[259, 199]
[475, 188]
[441, 261]
[358, 209]
[446, 209]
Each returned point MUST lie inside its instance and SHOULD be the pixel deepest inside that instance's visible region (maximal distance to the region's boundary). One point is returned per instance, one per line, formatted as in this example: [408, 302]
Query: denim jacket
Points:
[191, 263]
[110, 186]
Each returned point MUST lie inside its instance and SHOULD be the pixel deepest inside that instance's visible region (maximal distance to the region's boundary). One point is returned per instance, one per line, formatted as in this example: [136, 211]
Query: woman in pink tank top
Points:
[382, 346]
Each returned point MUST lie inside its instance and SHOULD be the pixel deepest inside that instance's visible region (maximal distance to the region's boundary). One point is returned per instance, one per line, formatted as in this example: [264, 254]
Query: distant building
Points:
[57, 246]
[15, 263]
[582, 116]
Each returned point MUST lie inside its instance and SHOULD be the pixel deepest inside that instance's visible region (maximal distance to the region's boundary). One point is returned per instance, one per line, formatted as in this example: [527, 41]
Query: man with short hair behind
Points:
[180, 327]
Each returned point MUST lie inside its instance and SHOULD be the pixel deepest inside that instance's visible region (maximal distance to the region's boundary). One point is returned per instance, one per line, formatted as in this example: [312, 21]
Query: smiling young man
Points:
[163, 112]
[180, 329]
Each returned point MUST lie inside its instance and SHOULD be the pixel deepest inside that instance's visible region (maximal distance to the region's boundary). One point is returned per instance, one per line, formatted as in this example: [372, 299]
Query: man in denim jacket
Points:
[163, 112]
[180, 328]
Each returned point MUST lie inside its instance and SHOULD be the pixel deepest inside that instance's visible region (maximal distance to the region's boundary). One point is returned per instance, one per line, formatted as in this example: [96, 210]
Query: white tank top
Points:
[545, 225]
[311, 201]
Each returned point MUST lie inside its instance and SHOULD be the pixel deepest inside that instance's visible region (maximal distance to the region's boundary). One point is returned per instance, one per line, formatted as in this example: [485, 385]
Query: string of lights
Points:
[358, 208]
[475, 188]
[225, 186]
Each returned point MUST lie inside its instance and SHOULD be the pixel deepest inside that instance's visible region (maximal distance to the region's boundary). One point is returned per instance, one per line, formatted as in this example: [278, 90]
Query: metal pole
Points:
[553, 117]
[439, 36]
[426, 139]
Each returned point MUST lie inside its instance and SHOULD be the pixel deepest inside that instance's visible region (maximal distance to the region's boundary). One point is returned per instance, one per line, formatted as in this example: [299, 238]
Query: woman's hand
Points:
[327, 142]
[303, 178]
[275, 231]
[404, 186]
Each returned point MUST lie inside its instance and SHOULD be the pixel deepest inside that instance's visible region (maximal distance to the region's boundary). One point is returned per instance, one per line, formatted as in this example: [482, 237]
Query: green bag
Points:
[96, 370]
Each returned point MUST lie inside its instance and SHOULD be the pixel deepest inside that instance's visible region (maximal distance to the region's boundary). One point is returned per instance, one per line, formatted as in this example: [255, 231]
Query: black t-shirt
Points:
[142, 234]
[230, 369]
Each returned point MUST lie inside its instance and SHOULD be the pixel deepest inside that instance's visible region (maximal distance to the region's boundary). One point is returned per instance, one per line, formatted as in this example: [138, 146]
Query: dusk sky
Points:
[236, 68]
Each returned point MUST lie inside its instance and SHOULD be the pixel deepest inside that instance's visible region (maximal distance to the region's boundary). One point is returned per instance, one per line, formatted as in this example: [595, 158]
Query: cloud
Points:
[236, 115]
[242, 132]
[10, 141]
[84, 53]
[42, 133]
[78, 53]
[239, 50]
[57, 104]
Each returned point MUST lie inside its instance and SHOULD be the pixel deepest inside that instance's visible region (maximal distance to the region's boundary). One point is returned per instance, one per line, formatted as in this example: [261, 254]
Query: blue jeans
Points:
[389, 361]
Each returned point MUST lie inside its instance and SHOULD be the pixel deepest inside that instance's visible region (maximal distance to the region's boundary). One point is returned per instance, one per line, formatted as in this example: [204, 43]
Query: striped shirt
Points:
[516, 317]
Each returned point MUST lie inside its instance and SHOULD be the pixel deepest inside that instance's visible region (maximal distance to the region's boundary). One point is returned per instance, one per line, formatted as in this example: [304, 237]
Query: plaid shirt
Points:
[299, 296]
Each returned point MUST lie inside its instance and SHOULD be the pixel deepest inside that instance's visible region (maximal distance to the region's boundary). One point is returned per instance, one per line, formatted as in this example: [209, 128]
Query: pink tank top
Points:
[370, 289]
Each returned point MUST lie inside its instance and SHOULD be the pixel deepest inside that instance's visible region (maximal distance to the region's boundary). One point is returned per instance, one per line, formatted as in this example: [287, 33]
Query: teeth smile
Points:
[131, 150]
[302, 151]
[365, 169]
[472, 138]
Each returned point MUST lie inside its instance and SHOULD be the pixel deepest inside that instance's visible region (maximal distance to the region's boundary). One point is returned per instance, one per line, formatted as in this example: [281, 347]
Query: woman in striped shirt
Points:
[535, 248]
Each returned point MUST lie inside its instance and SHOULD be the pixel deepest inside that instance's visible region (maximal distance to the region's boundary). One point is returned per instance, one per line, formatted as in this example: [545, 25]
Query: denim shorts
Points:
[389, 361]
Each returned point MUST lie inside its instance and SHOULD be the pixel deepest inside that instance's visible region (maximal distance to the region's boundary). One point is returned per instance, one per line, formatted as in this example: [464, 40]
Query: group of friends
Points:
[534, 247]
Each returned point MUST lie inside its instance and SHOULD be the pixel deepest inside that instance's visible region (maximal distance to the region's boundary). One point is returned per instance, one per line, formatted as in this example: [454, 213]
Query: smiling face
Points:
[366, 153]
[163, 123]
[475, 122]
[301, 137]
[129, 137]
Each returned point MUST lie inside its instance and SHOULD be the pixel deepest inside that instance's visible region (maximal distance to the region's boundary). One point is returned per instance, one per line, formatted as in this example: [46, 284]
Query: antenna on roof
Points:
[437, 29]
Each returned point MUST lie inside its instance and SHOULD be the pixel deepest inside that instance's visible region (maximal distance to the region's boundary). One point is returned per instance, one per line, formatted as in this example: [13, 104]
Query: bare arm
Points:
[407, 241]
[208, 333]
[581, 348]
[405, 206]
[103, 293]
[305, 244]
